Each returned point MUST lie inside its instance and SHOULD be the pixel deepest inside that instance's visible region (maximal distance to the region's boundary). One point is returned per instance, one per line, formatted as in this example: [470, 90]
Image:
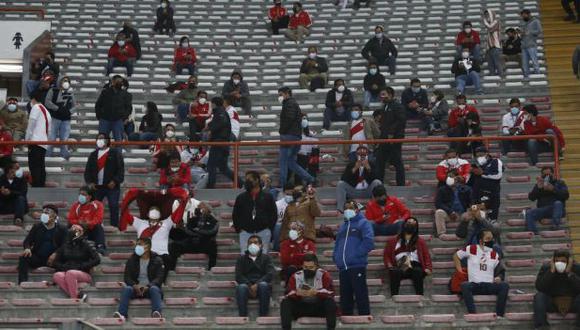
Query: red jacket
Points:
[394, 208]
[463, 167]
[460, 41]
[277, 12]
[115, 52]
[542, 124]
[326, 289]
[292, 253]
[301, 19]
[200, 112]
[6, 149]
[180, 53]
[422, 253]
[90, 213]
[181, 177]
[457, 113]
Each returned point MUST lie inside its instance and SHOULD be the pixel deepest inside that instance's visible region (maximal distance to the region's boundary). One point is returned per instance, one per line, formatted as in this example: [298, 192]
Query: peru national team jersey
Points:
[481, 263]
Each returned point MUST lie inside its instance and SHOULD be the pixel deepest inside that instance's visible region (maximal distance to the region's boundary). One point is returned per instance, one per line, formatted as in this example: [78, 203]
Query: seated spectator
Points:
[493, 25]
[485, 273]
[304, 208]
[73, 263]
[298, 24]
[15, 119]
[539, 125]
[308, 156]
[278, 16]
[357, 180]
[239, 92]
[266, 183]
[512, 124]
[88, 213]
[387, 213]
[254, 275]
[195, 234]
[144, 276]
[381, 50]
[184, 57]
[6, 150]
[310, 293]
[457, 122]
[373, 83]
[199, 113]
[570, 14]
[61, 103]
[234, 117]
[550, 195]
[339, 101]
[113, 107]
[281, 206]
[466, 69]
[452, 161]
[485, 180]
[293, 249]
[406, 256]
[150, 127]
[13, 192]
[161, 153]
[313, 71]
[41, 243]
[576, 62]
[512, 46]
[476, 219]
[359, 129]
[468, 38]
[39, 71]
[451, 202]
[414, 100]
[122, 53]
[196, 159]
[164, 19]
[558, 284]
[472, 128]
[356, 233]
[176, 175]
[132, 35]
[185, 98]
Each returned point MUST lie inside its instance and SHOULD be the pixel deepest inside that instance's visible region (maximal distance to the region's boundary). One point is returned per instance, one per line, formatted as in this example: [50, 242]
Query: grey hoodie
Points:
[530, 32]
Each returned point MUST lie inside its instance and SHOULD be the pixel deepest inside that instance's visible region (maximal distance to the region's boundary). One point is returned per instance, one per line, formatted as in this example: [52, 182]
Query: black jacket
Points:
[151, 123]
[547, 198]
[377, 79]
[512, 46]
[78, 254]
[242, 87]
[460, 70]
[264, 207]
[393, 121]
[290, 118]
[347, 99]
[18, 187]
[199, 228]
[220, 127]
[379, 49]
[558, 284]
[306, 67]
[351, 178]
[36, 235]
[63, 111]
[155, 270]
[408, 96]
[252, 272]
[444, 198]
[114, 168]
[114, 104]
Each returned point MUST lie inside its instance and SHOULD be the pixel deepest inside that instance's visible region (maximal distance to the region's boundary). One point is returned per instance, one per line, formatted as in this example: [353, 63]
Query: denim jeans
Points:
[190, 68]
[472, 78]
[115, 126]
[243, 294]
[494, 61]
[112, 63]
[113, 196]
[554, 211]
[276, 237]
[345, 190]
[543, 304]
[127, 293]
[530, 54]
[384, 229]
[331, 115]
[353, 287]
[182, 111]
[265, 235]
[535, 147]
[144, 136]
[369, 98]
[288, 155]
[61, 129]
[468, 289]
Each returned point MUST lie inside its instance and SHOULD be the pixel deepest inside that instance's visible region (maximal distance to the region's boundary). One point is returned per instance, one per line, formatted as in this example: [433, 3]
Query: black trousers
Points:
[282, 23]
[188, 245]
[390, 153]
[36, 164]
[291, 309]
[568, 9]
[27, 263]
[218, 160]
[415, 273]
[491, 189]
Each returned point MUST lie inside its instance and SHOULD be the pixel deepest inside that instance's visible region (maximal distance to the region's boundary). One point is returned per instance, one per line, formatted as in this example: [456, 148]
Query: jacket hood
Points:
[492, 16]
[237, 72]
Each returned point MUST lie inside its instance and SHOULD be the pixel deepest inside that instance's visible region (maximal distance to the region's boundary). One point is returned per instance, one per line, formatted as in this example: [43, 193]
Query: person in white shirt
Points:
[303, 158]
[484, 272]
[358, 129]
[234, 117]
[281, 205]
[38, 130]
[196, 158]
[512, 123]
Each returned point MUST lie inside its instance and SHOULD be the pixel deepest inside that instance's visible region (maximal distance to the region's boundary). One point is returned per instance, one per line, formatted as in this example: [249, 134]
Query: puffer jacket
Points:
[76, 254]
[354, 241]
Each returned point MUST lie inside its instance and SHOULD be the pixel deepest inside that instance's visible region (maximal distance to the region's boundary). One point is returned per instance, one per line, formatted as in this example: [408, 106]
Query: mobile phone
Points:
[305, 287]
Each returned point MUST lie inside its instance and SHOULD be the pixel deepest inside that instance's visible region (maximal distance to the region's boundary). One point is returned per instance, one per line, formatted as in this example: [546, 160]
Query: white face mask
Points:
[379, 35]
[202, 100]
[465, 54]
[304, 123]
[280, 99]
[121, 43]
[453, 161]
[341, 88]
[12, 107]
[65, 85]
[174, 169]
[254, 249]
[44, 218]
[433, 99]
[100, 143]
[373, 71]
[467, 30]
[461, 106]
[450, 181]
[163, 5]
[170, 133]
[312, 55]
[293, 234]
[481, 160]
[236, 81]
[184, 45]
[482, 214]
[154, 215]
[560, 266]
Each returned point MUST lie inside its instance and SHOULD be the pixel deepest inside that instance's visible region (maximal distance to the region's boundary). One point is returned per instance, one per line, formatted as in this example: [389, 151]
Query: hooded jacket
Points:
[354, 241]
[531, 31]
[557, 284]
[389, 255]
[493, 26]
[114, 104]
[241, 87]
[377, 79]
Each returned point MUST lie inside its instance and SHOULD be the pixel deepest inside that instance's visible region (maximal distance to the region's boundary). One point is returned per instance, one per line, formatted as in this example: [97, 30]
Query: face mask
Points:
[355, 115]
[465, 54]
[461, 106]
[560, 266]
[482, 214]
[340, 88]
[312, 55]
[515, 111]
[489, 244]
[236, 81]
[280, 99]
[163, 5]
[373, 71]
[170, 133]
[433, 99]
[202, 100]
[289, 199]
[379, 35]
[309, 273]
[174, 169]
[44, 218]
[248, 185]
[121, 43]
[304, 123]
[382, 201]
[416, 89]
[139, 250]
[154, 214]
[100, 143]
[481, 160]
[450, 181]
[254, 249]
[452, 162]
[278, 4]
[409, 229]
[294, 10]
[467, 30]
[349, 214]
[526, 19]
[65, 85]
[12, 107]
[19, 173]
[82, 199]
[293, 234]
[184, 45]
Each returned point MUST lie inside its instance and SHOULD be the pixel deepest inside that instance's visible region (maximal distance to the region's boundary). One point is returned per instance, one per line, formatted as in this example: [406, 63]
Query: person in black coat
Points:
[132, 35]
[466, 69]
[313, 71]
[339, 101]
[43, 239]
[150, 127]
[13, 191]
[374, 82]
[113, 107]
[392, 126]
[239, 91]
[550, 194]
[414, 99]
[104, 174]
[164, 18]
[381, 50]
[73, 263]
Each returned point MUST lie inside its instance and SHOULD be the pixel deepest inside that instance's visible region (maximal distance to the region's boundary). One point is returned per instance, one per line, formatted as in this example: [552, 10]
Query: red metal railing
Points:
[39, 11]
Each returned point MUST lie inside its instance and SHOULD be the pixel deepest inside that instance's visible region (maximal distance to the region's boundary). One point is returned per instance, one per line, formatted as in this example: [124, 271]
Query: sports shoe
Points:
[119, 316]
[82, 296]
[156, 315]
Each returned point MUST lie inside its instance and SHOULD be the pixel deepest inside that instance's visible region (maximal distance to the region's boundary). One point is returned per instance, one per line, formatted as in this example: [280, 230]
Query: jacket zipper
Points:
[344, 247]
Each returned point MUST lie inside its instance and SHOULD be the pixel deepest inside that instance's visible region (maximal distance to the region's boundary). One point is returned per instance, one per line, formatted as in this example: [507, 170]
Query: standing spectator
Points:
[457, 121]
[406, 256]
[359, 129]
[254, 212]
[184, 99]
[310, 293]
[414, 99]
[304, 208]
[339, 101]
[451, 202]
[387, 213]
[15, 119]
[164, 19]
[254, 274]
[570, 14]
[6, 150]
[238, 89]
[512, 46]
[38, 130]
[150, 127]
[466, 69]
[220, 130]
[468, 38]
[45, 67]
[475, 220]
[576, 62]
[485, 273]
[373, 83]
[61, 103]
[550, 194]
[290, 130]
[278, 16]
[538, 125]
[144, 276]
[43, 239]
[436, 114]
[356, 233]
[73, 263]
[88, 213]
[294, 248]
[113, 107]
[392, 126]
[492, 22]
[234, 117]
[122, 53]
[486, 180]
[530, 31]
[104, 173]
[184, 57]
[558, 285]
[313, 71]
[199, 113]
[13, 192]
[381, 50]
[299, 24]
[512, 124]
[176, 175]
[451, 162]
[132, 35]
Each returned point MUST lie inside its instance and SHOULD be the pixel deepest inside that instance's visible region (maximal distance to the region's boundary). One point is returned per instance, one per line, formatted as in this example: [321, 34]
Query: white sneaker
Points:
[119, 316]
[156, 315]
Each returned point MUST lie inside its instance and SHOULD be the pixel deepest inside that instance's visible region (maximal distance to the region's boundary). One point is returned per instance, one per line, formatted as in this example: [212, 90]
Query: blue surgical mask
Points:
[82, 199]
[355, 115]
[139, 250]
[373, 71]
[254, 249]
[44, 218]
[349, 214]
[19, 173]
[304, 123]
[289, 199]
[12, 107]
[515, 111]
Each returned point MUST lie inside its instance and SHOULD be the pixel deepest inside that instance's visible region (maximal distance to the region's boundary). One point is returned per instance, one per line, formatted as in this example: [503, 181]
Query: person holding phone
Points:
[550, 195]
[304, 208]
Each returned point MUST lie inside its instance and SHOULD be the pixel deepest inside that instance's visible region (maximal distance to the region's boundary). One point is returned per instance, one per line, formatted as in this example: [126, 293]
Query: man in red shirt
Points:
[278, 16]
[387, 213]
[122, 53]
[294, 248]
[452, 161]
[88, 213]
[178, 174]
[299, 25]
[539, 125]
[469, 38]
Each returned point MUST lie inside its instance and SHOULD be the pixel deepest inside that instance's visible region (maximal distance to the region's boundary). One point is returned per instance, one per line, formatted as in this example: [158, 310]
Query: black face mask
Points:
[489, 244]
[295, 10]
[409, 229]
[526, 19]
[249, 185]
[382, 201]
[309, 273]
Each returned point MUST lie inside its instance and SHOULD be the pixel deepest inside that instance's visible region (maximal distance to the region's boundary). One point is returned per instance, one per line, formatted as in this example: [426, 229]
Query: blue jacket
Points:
[354, 241]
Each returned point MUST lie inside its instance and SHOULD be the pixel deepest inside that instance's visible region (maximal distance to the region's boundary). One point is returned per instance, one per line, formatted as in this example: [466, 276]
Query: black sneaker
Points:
[82, 296]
